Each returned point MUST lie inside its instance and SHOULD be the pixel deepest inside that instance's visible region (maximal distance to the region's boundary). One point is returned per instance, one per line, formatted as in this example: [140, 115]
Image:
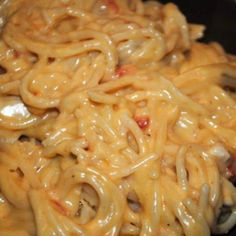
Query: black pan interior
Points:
[219, 16]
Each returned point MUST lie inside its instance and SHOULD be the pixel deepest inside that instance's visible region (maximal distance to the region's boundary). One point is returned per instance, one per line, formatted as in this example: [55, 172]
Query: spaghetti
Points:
[114, 120]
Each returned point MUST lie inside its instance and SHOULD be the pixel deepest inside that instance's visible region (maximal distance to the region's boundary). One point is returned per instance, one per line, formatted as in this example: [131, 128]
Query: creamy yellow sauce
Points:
[114, 120]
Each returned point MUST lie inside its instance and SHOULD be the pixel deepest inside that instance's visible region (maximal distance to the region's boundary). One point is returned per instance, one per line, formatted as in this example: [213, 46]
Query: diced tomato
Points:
[36, 93]
[142, 121]
[16, 54]
[59, 207]
[232, 167]
[125, 70]
[112, 6]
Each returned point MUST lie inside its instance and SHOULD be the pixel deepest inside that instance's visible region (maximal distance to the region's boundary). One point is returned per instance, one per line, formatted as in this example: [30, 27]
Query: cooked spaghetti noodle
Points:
[114, 120]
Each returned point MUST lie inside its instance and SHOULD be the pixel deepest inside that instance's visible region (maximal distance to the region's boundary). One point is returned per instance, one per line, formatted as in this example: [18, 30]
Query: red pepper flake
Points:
[112, 6]
[142, 121]
[58, 206]
[125, 70]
